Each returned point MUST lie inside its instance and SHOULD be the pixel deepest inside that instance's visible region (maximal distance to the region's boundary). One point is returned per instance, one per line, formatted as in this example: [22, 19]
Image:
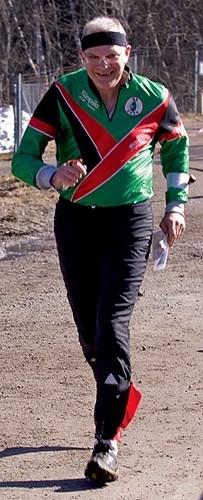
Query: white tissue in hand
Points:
[160, 249]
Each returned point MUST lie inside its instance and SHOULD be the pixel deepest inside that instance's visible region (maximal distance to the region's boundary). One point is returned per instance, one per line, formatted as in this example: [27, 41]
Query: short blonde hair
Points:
[103, 23]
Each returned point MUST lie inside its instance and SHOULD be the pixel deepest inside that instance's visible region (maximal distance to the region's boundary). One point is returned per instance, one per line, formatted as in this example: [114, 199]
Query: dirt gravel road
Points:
[47, 391]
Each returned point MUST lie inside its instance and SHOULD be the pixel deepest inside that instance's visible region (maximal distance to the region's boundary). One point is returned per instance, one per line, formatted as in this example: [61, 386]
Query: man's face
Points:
[105, 64]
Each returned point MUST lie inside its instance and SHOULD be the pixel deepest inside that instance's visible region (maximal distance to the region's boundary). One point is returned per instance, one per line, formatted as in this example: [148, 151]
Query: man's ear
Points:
[128, 50]
[82, 57]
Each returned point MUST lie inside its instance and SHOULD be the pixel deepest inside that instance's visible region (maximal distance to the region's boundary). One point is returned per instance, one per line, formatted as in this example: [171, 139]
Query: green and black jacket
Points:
[118, 150]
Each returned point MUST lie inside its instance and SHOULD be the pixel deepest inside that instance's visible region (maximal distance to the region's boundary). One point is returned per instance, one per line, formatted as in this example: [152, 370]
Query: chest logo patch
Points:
[133, 106]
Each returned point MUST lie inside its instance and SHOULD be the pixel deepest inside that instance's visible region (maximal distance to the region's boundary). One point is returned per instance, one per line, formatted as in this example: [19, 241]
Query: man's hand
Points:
[173, 224]
[68, 174]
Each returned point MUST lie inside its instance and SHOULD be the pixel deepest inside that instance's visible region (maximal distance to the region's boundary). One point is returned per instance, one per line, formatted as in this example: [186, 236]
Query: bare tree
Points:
[41, 39]
[5, 49]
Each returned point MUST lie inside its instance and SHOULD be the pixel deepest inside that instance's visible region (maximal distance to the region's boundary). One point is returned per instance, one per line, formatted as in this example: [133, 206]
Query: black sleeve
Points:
[47, 110]
[170, 119]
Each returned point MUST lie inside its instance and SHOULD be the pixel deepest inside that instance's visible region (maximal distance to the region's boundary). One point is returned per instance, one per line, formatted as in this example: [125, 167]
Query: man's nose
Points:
[103, 62]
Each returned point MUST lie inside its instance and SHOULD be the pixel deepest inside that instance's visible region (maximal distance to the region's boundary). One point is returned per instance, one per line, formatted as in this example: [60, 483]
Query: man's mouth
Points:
[105, 74]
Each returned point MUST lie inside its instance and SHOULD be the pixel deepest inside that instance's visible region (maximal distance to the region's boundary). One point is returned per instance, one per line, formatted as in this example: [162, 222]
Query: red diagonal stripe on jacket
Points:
[127, 148]
[98, 134]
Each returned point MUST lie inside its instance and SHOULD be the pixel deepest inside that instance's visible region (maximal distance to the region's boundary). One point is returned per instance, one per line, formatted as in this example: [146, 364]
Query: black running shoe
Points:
[103, 464]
